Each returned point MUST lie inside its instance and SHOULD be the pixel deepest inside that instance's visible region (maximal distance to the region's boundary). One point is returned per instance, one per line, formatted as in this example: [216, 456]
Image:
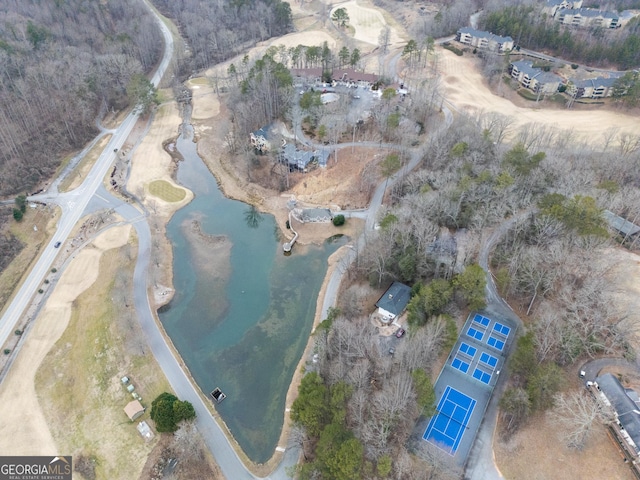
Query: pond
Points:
[242, 312]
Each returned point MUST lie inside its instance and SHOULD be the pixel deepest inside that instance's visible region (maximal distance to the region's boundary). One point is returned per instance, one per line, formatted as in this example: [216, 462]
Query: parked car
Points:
[400, 332]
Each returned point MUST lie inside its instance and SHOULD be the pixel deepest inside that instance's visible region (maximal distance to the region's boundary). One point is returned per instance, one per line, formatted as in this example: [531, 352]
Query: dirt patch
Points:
[537, 453]
[625, 278]
[347, 183]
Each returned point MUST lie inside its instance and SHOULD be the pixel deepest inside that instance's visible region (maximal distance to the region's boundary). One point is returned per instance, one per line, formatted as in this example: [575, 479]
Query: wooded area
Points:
[596, 47]
[216, 31]
[60, 64]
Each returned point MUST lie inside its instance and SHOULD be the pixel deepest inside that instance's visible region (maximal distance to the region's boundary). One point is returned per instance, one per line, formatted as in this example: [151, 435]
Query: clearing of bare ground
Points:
[347, 182]
[537, 452]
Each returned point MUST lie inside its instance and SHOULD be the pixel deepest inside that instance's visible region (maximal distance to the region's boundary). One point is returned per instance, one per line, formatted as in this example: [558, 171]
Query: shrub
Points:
[17, 215]
[167, 411]
[46, 280]
[7, 351]
[453, 49]
[338, 220]
[574, 66]
[18, 332]
[54, 270]
[40, 290]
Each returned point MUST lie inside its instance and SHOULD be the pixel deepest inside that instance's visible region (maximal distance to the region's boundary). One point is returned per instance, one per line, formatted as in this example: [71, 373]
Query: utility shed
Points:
[134, 410]
[393, 302]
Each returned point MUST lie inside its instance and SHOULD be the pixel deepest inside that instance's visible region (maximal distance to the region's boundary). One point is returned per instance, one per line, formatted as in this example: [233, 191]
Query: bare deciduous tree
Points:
[577, 413]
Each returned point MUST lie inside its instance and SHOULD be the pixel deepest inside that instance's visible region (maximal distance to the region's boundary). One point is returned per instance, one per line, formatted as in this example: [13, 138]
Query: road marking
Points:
[103, 199]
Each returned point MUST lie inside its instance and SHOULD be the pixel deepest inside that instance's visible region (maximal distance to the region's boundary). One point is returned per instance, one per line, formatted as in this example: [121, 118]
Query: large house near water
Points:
[262, 141]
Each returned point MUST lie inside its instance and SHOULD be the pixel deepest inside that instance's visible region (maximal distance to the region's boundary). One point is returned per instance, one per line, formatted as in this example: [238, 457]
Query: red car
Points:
[400, 332]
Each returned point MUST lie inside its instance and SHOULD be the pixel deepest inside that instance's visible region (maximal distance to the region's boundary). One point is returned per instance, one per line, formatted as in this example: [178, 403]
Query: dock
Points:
[289, 245]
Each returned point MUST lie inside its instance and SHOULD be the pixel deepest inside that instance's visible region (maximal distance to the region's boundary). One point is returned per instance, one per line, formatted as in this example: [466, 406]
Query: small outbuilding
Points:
[145, 430]
[626, 229]
[393, 302]
[134, 410]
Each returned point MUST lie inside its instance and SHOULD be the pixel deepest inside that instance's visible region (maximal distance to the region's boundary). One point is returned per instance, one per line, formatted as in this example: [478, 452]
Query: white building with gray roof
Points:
[533, 78]
[587, 17]
[599, 87]
[484, 40]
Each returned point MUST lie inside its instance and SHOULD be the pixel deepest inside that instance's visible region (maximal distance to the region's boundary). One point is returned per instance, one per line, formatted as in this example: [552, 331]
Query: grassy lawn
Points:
[75, 178]
[167, 192]
[78, 383]
[33, 241]
[529, 95]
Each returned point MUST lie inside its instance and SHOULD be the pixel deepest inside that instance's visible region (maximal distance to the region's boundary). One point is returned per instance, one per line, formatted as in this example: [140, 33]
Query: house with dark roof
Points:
[533, 78]
[300, 159]
[587, 17]
[261, 139]
[393, 302]
[625, 409]
[484, 40]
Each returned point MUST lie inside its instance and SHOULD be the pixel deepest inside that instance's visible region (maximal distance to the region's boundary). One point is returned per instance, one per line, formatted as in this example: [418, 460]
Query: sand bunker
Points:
[368, 23]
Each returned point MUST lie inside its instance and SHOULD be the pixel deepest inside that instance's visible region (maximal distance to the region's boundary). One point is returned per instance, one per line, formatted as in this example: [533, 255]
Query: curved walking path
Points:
[481, 461]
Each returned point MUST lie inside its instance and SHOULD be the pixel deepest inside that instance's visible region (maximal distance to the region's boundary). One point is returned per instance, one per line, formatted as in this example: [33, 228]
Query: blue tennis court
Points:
[467, 350]
[484, 377]
[447, 427]
[477, 334]
[495, 343]
[460, 365]
[501, 329]
[479, 319]
[488, 359]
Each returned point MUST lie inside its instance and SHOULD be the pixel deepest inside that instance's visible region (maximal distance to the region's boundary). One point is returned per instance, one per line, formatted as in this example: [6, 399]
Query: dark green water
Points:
[251, 349]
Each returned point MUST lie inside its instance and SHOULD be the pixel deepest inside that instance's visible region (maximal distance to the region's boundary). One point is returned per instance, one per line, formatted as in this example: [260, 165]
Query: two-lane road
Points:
[73, 205]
